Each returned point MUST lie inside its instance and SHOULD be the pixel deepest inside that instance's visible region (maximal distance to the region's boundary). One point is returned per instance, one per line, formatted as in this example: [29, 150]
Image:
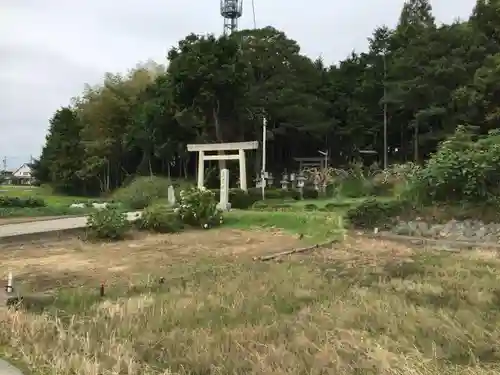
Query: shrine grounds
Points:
[199, 303]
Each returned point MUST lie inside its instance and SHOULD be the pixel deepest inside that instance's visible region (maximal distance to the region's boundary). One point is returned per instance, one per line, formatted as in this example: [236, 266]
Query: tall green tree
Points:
[62, 154]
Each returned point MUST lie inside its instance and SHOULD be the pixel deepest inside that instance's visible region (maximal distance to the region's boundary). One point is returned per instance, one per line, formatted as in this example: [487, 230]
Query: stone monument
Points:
[224, 190]
[171, 195]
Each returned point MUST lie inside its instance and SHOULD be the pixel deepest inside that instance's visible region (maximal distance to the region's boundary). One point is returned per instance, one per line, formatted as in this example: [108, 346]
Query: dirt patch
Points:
[359, 251]
[73, 262]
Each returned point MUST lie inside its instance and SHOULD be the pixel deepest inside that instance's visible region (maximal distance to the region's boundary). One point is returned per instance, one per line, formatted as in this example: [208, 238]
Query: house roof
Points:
[22, 165]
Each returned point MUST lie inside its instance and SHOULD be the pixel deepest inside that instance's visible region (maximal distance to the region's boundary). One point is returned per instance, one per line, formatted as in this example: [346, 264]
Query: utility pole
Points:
[385, 112]
[263, 171]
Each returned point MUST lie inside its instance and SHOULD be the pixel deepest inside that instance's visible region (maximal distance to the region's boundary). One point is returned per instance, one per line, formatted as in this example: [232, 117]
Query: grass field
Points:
[57, 205]
[42, 192]
[360, 307]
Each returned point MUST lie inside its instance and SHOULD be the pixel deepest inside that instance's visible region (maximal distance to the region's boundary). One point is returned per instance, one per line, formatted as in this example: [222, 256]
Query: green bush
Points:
[273, 193]
[382, 187]
[280, 207]
[293, 194]
[16, 202]
[139, 202]
[310, 193]
[108, 224]
[465, 168]
[198, 207]
[241, 199]
[330, 207]
[260, 206]
[394, 179]
[373, 213]
[238, 198]
[332, 190]
[142, 191]
[310, 207]
[244, 200]
[356, 187]
[160, 218]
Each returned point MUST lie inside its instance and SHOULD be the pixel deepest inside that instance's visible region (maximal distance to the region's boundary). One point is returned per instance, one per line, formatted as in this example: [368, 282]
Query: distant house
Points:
[6, 177]
[22, 175]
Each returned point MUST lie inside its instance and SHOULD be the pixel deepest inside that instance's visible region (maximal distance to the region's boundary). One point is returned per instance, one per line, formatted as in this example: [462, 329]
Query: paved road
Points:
[8, 369]
[9, 230]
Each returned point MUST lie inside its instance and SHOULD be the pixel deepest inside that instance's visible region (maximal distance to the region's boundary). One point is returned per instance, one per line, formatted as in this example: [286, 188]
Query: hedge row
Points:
[242, 200]
[16, 202]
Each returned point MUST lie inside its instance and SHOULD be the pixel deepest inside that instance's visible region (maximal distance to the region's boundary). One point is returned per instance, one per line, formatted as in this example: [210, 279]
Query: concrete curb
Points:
[28, 220]
[43, 230]
[7, 369]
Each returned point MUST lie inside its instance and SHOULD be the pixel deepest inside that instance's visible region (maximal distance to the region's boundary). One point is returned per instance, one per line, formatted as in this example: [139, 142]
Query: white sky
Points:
[50, 48]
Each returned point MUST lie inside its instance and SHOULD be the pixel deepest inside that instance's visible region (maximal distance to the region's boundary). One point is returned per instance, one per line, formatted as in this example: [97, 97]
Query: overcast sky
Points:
[50, 48]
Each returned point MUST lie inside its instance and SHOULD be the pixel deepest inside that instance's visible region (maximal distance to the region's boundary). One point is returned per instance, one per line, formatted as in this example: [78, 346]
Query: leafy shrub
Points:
[394, 179]
[260, 205]
[33, 202]
[139, 202]
[310, 207]
[161, 219]
[142, 191]
[16, 202]
[273, 193]
[330, 207]
[198, 207]
[373, 213]
[381, 186]
[354, 187]
[310, 193]
[239, 199]
[108, 224]
[280, 207]
[331, 190]
[465, 168]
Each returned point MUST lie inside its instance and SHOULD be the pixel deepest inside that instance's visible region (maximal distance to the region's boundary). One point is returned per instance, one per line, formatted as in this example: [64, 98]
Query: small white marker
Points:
[375, 230]
[10, 288]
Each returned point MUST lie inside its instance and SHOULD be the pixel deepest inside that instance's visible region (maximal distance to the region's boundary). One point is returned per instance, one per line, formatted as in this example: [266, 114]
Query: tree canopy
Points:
[431, 79]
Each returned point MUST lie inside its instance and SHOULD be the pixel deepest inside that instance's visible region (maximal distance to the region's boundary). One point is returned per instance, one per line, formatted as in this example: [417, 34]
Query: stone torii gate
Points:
[241, 147]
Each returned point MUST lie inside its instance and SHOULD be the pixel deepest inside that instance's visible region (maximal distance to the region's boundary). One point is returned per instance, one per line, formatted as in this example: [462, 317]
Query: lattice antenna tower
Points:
[231, 10]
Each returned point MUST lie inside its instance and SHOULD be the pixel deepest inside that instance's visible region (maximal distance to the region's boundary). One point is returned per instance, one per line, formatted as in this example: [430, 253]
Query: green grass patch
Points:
[315, 227]
[42, 192]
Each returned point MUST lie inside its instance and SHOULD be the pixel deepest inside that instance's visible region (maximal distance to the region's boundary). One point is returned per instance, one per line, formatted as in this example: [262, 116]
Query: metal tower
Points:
[231, 10]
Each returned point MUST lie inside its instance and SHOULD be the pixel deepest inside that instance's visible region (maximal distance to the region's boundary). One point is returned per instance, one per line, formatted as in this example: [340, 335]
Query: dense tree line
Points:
[429, 78]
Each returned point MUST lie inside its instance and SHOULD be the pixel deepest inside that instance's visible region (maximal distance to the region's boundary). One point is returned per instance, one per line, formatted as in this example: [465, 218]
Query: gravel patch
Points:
[467, 230]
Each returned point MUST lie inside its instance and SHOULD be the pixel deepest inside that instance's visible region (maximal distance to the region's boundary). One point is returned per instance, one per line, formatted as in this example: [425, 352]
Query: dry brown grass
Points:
[366, 307]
